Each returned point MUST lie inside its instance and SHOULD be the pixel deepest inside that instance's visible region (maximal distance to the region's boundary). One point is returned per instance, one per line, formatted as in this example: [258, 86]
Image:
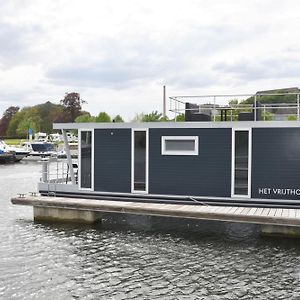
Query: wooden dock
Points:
[274, 220]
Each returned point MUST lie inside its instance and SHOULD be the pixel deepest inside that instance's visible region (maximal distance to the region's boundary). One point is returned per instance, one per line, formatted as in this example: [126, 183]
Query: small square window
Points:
[179, 145]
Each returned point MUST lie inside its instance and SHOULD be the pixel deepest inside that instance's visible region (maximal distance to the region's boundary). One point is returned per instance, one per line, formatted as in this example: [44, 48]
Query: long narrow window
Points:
[241, 162]
[86, 159]
[139, 160]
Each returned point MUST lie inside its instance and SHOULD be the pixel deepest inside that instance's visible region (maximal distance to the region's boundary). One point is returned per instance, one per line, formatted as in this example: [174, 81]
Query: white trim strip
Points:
[227, 124]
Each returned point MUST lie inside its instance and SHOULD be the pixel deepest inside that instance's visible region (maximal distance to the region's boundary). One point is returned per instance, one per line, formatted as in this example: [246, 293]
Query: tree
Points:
[71, 107]
[154, 116]
[180, 118]
[103, 117]
[138, 117]
[85, 118]
[6, 118]
[39, 117]
[118, 119]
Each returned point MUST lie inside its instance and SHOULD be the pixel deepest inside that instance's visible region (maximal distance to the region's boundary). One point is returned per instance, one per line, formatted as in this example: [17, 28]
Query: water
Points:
[136, 258]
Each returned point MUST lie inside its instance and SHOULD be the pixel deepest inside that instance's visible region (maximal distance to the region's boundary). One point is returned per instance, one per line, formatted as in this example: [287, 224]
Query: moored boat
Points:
[6, 156]
[39, 150]
[19, 152]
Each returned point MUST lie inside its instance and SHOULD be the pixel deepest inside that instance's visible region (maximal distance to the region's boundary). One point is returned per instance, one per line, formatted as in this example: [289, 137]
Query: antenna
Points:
[164, 101]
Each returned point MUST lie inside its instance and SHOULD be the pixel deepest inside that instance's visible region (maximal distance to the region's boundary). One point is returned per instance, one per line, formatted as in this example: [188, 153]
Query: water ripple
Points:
[156, 260]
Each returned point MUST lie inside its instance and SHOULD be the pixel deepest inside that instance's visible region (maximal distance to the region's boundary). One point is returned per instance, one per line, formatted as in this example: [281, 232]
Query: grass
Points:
[13, 142]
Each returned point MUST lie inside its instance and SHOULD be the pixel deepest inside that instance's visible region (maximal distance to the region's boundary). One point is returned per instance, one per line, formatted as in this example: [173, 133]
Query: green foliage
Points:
[103, 117]
[85, 118]
[233, 102]
[118, 119]
[292, 118]
[14, 142]
[273, 98]
[154, 116]
[71, 107]
[164, 119]
[6, 118]
[180, 118]
[39, 118]
[138, 117]
[267, 116]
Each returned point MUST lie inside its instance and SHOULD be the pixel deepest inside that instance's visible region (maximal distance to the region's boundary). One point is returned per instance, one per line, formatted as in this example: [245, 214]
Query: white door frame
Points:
[92, 159]
[233, 161]
[133, 130]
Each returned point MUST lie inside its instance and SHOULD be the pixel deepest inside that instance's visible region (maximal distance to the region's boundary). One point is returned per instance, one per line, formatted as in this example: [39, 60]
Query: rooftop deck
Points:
[280, 105]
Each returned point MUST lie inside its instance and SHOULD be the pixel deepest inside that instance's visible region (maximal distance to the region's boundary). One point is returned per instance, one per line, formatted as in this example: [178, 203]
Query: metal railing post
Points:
[175, 110]
[45, 172]
[255, 98]
[298, 108]
[214, 109]
[69, 158]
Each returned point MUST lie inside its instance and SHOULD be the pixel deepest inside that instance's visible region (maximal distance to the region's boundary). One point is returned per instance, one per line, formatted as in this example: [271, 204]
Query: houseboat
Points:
[237, 154]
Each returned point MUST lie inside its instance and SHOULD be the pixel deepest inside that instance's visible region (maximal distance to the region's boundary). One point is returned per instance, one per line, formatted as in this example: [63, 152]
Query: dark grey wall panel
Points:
[208, 174]
[276, 163]
[112, 160]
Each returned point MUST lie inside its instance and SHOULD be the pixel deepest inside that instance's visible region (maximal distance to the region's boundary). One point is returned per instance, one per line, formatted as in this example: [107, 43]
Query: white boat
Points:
[19, 152]
[6, 156]
[40, 149]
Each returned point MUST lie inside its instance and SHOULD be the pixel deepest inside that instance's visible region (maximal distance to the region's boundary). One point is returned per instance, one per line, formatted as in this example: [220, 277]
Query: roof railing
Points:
[228, 107]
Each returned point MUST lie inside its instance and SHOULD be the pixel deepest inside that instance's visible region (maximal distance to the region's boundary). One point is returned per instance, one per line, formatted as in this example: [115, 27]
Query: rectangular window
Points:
[179, 145]
[86, 159]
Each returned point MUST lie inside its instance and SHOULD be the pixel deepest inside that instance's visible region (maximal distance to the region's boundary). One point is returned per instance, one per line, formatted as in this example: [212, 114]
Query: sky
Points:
[118, 54]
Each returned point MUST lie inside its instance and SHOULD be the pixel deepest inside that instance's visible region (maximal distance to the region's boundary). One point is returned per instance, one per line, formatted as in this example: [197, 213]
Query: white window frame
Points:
[147, 161]
[233, 195]
[92, 160]
[179, 152]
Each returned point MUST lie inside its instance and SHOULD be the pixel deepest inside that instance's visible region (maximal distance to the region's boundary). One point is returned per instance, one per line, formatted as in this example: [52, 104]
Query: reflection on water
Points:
[136, 258]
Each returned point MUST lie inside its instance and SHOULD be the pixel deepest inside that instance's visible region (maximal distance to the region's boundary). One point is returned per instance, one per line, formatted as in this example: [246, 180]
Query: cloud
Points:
[113, 63]
[127, 50]
[269, 68]
[17, 43]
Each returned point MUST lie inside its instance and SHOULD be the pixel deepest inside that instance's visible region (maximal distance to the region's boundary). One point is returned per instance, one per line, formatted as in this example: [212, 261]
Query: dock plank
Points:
[278, 212]
[252, 211]
[272, 212]
[285, 213]
[238, 211]
[292, 213]
[268, 216]
[246, 210]
[259, 211]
